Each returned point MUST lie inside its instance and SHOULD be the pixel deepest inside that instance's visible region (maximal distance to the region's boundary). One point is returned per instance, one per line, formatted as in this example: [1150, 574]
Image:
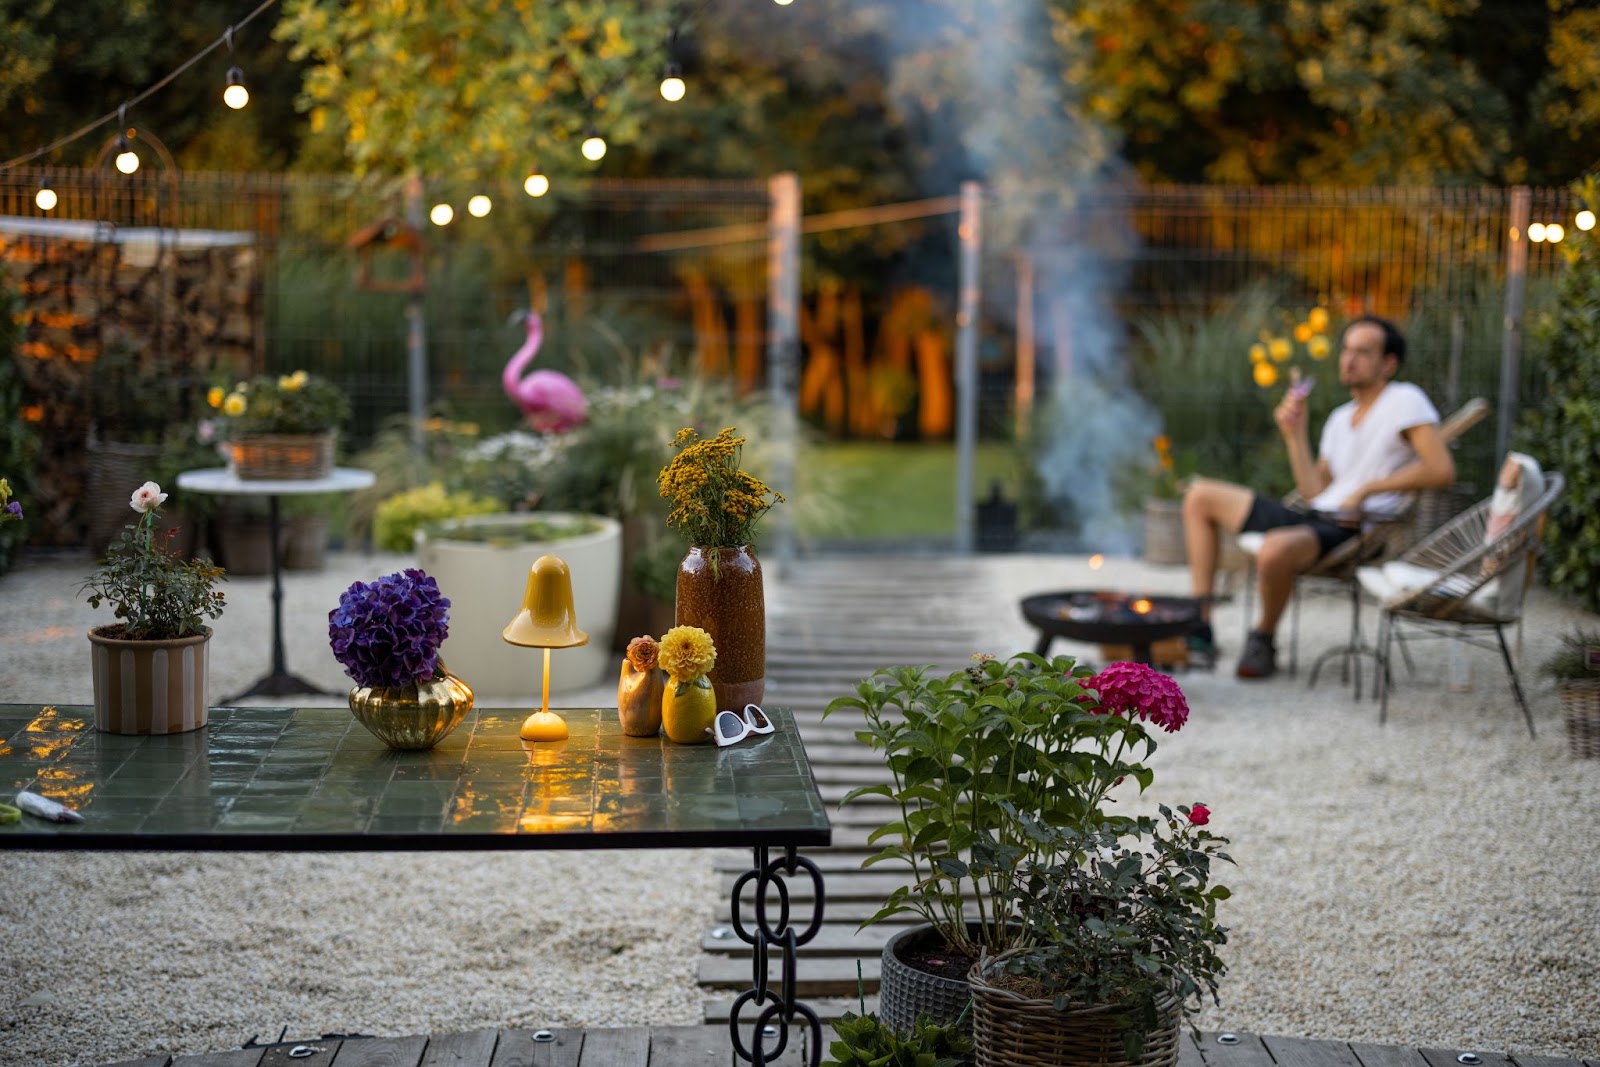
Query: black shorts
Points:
[1268, 514]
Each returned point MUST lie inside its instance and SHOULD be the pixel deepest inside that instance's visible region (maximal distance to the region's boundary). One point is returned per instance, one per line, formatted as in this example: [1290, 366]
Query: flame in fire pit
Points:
[1096, 561]
[1142, 606]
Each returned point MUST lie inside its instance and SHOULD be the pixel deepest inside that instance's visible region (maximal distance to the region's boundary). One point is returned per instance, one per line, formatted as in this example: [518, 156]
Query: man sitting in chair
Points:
[1383, 443]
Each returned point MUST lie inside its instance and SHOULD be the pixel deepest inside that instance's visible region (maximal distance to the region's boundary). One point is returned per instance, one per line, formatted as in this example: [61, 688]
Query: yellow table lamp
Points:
[547, 620]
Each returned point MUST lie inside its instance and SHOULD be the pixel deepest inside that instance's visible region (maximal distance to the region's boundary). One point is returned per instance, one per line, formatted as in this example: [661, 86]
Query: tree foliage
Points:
[1563, 432]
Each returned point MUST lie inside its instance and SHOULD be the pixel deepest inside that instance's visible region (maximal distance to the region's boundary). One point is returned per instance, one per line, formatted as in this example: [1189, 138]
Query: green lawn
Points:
[889, 490]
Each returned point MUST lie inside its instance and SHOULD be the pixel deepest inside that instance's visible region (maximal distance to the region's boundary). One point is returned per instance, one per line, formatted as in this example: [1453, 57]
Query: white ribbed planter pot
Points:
[485, 583]
[150, 687]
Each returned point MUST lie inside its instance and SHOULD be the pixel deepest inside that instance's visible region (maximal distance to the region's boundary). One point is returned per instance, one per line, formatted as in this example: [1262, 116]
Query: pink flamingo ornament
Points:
[550, 401]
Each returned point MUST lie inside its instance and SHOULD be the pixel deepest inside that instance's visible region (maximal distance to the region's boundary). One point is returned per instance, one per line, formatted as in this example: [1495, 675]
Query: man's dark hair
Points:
[1394, 342]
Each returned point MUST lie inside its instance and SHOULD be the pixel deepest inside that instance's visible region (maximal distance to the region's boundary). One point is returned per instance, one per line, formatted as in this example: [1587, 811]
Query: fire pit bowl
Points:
[1101, 617]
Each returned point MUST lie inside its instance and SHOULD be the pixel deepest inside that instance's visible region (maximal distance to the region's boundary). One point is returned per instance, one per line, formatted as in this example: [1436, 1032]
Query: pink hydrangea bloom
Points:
[1135, 689]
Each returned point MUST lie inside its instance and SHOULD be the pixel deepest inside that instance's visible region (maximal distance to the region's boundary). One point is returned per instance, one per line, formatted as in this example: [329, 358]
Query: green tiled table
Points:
[277, 779]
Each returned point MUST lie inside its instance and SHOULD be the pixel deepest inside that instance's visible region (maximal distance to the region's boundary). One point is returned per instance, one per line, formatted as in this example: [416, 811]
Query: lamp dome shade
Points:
[547, 618]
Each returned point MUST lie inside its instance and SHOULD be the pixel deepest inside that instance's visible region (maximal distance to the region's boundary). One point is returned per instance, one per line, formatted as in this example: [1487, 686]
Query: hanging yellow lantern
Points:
[1318, 318]
[1318, 347]
[1278, 348]
[1266, 375]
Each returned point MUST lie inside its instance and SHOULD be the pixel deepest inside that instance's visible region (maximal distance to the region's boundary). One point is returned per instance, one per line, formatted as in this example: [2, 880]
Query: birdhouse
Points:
[388, 235]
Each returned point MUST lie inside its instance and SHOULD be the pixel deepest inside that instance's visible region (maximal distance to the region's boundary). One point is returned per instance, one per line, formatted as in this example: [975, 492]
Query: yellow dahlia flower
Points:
[686, 653]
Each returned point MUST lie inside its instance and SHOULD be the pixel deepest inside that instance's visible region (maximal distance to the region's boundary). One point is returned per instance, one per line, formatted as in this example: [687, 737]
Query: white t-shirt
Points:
[1357, 455]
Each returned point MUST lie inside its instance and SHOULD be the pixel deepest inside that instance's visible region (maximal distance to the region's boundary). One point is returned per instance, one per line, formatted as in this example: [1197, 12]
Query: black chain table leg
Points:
[777, 1006]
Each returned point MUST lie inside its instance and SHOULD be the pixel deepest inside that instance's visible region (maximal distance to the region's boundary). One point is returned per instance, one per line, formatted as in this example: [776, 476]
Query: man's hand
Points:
[1290, 414]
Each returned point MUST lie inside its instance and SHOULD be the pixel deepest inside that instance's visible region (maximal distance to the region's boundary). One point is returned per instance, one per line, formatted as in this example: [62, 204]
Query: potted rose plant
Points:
[151, 669]
[978, 760]
[387, 635]
[1118, 943]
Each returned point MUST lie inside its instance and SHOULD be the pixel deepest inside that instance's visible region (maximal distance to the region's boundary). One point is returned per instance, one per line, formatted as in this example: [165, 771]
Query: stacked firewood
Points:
[167, 317]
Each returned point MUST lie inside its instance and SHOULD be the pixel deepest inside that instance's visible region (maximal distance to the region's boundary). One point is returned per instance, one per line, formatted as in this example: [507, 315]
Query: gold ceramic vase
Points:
[416, 716]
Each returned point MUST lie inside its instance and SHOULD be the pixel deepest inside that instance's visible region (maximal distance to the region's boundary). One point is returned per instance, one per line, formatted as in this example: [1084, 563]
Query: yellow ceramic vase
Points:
[687, 711]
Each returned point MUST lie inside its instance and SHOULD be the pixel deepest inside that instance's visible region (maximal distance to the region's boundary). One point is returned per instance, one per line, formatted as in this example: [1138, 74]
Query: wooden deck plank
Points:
[690, 1046]
[1439, 1057]
[1552, 1061]
[278, 1055]
[1386, 1055]
[1306, 1052]
[384, 1051]
[616, 1046]
[472, 1049]
[833, 939]
[818, 977]
[716, 1010]
[147, 1061]
[1248, 1052]
[239, 1057]
[517, 1048]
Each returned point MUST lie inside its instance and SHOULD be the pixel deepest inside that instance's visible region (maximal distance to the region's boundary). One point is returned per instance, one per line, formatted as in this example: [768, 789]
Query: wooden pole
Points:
[970, 235]
[1511, 335]
[783, 347]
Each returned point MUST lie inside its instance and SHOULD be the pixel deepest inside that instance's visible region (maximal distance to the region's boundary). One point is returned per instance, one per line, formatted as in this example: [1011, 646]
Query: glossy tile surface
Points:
[275, 778]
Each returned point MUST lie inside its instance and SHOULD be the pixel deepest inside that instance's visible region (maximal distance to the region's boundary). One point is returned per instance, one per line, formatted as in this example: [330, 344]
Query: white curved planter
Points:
[485, 584]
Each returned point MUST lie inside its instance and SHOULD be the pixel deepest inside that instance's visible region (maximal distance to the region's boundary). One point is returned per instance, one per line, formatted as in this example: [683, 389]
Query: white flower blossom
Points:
[146, 497]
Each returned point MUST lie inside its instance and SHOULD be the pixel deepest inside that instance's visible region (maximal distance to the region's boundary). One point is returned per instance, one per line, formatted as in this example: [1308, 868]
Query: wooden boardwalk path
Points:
[707, 1046]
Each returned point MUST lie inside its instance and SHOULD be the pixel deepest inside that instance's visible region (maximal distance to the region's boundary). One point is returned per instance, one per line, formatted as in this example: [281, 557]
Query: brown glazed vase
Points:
[720, 591]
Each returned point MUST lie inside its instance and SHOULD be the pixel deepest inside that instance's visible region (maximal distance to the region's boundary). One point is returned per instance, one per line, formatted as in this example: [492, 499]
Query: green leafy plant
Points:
[398, 518]
[158, 594]
[297, 403]
[864, 1041]
[131, 401]
[530, 529]
[1563, 431]
[1577, 657]
[1113, 925]
[982, 757]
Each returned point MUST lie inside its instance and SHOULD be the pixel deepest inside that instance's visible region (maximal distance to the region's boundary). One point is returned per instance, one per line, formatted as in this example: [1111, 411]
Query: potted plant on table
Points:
[716, 506]
[281, 426]
[387, 635]
[151, 669]
[981, 763]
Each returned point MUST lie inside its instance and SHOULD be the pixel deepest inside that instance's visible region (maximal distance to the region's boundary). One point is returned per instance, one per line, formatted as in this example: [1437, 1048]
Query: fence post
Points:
[1511, 334]
[970, 235]
[416, 332]
[783, 346]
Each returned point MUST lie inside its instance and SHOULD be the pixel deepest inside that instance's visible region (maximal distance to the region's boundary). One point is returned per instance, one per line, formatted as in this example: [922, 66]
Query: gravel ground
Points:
[1432, 882]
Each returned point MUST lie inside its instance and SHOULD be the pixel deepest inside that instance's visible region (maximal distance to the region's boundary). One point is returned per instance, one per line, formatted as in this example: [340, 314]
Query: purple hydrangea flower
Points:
[387, 633]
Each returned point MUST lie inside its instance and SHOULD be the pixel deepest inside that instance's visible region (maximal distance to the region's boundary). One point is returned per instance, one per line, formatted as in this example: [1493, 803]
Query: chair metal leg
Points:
[1294, 629]
[1349, 654]
[1386, 634]
[1511, 669]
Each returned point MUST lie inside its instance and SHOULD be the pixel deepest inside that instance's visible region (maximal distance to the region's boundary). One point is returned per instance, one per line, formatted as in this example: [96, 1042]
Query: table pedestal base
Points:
[280, 684]
[781, 1005]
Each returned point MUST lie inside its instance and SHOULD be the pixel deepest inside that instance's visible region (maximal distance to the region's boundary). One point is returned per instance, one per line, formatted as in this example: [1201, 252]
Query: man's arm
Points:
[1433, 468]
[1310, 476]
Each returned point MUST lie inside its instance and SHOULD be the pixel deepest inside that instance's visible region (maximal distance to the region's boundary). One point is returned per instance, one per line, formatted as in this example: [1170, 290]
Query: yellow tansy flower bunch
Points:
[714, 503]
[297, 403]
[686, 653]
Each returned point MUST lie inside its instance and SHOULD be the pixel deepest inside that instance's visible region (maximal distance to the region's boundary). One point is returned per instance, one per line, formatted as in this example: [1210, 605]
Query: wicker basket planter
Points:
[282, 457]
[1580, 703]
[1012, 1030]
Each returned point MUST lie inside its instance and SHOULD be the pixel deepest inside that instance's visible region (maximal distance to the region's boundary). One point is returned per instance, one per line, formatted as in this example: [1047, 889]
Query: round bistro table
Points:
[222, 481]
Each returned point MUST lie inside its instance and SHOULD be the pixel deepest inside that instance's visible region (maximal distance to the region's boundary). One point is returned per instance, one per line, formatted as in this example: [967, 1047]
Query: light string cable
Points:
[145, 95]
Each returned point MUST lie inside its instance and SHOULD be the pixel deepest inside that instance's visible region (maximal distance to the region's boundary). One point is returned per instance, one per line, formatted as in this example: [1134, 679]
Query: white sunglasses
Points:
[731, 727]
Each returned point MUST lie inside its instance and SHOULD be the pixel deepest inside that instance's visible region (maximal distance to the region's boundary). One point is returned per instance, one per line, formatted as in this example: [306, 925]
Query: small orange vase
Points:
[720, 591]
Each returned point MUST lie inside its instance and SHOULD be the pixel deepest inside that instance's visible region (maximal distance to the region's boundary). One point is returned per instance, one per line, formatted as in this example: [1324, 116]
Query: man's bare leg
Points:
[1210, 509]
[1285, 552]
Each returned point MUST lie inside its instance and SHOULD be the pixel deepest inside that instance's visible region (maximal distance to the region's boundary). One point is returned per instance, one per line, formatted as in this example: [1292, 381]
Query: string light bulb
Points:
[1585, 220]
[235, 95]
[783, 3]
[594, 146]
[479, 206]
[536, 184]
[1536, 232]
[442, 215]
[46, 196]
[672, 86]
[1554, 232]
[127, 158]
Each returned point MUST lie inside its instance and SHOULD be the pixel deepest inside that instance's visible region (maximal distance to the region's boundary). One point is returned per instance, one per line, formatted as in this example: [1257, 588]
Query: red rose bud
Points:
[1199, 815]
